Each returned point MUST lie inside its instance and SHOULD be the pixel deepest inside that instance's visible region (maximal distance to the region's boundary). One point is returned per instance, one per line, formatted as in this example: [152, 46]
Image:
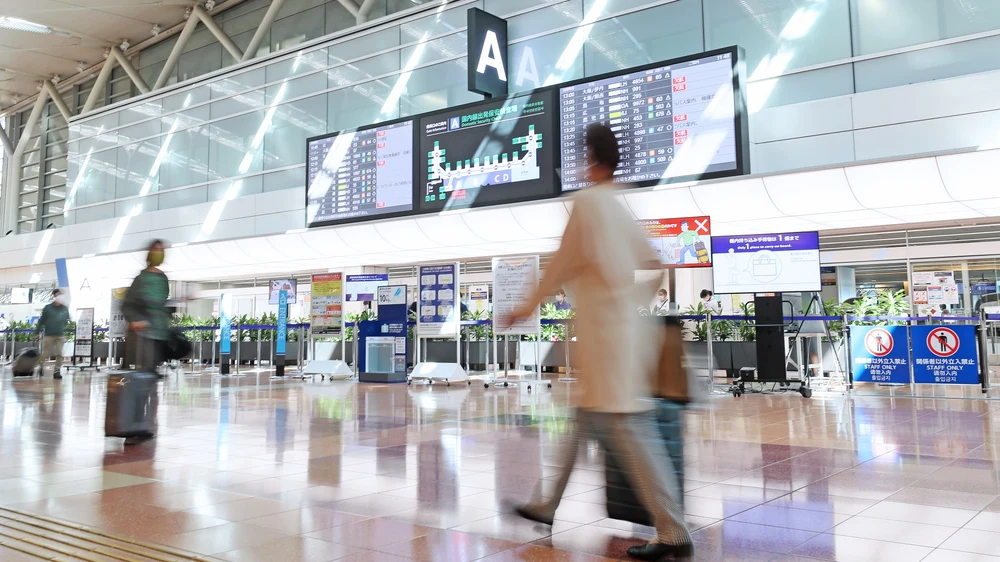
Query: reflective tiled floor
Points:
[247, 469]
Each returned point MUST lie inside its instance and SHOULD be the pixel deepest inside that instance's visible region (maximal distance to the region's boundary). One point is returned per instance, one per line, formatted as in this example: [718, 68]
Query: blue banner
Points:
[880, 354]
[225, 323]
[945, 355]
[279, 346]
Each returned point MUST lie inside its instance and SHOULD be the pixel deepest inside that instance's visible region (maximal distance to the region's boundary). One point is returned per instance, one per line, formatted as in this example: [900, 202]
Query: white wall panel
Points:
[927, 100]
[820, 117]
[923, 137]
[804, 152]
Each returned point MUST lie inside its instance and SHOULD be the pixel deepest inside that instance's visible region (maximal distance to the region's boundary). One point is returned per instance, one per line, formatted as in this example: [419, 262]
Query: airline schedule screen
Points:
[363, 173]
[673, 122]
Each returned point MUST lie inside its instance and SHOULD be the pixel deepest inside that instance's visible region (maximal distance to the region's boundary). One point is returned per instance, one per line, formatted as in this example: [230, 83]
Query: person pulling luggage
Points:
[601, 249]
[145, 309]
[51, 329]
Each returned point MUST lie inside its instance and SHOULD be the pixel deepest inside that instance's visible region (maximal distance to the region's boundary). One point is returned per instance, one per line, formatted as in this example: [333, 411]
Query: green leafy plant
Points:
[721, 329]
[747, 329]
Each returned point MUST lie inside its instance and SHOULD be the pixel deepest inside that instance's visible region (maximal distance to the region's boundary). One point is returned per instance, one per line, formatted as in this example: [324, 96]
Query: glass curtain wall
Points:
[243, 133]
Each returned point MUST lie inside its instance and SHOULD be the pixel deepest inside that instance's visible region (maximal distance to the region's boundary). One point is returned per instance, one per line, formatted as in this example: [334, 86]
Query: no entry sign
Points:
[880, 354]
[945, 355]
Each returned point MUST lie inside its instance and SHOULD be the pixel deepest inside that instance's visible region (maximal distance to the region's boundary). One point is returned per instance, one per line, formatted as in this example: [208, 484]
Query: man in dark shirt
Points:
[52, 325]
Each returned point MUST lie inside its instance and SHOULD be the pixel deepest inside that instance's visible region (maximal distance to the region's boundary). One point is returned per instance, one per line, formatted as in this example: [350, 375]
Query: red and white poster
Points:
[681, 242]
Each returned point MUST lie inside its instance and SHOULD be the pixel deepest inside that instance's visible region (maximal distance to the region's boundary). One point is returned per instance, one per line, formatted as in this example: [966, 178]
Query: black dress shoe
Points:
[660, 551]
[525, 511]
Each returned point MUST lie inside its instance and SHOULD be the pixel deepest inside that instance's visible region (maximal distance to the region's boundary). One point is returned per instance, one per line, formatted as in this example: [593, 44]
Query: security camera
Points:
[210, 5]
[125, 45]
[156, 30]
[56, 79]
[107, 52]
[187, 14]
[81, 66]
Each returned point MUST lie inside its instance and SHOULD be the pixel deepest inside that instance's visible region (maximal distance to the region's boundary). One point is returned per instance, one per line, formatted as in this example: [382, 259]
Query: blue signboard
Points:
[225, 323]
[279, 346]
[438, 296]
[945, 355]
[880, 354]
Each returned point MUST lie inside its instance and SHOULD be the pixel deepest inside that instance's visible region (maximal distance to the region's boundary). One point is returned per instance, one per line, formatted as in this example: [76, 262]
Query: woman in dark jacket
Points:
[145, 309]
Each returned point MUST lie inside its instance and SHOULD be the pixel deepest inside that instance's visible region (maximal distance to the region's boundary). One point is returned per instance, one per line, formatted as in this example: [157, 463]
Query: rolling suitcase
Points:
[131, 403]
[621, 499]
[25, 362]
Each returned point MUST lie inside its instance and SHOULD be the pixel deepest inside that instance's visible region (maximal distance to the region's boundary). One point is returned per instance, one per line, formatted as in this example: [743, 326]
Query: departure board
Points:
[366, 173]
[495, 151]
[675, 121]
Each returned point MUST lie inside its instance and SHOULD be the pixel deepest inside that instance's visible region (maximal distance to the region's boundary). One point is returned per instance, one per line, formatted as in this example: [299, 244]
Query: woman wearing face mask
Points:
[661, 303]
[561, 302]
[709, 302]
[145, 308]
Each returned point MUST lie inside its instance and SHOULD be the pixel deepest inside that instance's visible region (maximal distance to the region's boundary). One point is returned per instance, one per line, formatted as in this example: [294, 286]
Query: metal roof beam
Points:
[262, 29]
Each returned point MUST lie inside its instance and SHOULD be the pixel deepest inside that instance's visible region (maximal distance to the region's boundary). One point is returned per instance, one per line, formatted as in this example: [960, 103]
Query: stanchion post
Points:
[984, 361]
[848, 369]
[711, 356]
[239, 346]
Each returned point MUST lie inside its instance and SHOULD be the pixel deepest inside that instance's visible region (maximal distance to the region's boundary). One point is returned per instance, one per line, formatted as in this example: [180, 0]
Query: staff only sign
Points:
[945, 355]
[880, 354]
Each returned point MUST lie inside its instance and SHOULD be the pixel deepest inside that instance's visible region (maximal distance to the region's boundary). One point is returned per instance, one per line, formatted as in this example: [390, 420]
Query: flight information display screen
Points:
[676, 121]
[496, 151]
[367, 173]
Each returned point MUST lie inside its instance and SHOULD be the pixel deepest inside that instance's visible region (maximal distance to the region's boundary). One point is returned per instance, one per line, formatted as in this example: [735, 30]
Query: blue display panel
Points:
[880, 354]
[945, 355]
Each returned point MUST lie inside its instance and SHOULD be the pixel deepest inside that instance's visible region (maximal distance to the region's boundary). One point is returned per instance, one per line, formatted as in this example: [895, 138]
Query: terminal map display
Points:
[674, 122]
[766, 263]
[497, 151]
[366, 173]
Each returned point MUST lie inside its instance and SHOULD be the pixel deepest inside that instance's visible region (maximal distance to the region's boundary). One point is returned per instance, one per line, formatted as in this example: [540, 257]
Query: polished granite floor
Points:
[248, 469]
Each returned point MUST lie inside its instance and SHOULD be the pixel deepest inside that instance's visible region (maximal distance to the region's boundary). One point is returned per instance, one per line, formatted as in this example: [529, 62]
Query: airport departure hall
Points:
[500, 280]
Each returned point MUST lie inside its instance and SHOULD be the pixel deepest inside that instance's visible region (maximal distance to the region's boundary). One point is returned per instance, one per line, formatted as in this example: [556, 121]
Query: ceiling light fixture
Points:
[107, 52]
[18, 24]
[187, 14]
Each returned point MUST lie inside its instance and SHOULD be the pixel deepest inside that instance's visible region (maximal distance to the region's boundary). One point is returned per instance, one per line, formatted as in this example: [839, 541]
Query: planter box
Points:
[552, 354]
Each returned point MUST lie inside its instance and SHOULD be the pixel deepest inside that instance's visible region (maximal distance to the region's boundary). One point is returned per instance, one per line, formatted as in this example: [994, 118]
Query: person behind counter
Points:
[561, 302]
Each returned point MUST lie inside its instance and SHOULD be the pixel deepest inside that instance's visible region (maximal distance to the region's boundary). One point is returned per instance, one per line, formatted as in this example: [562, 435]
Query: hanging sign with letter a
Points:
[487, 53]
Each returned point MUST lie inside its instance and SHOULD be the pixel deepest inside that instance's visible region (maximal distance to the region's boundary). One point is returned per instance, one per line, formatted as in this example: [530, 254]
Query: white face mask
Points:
[61, 299]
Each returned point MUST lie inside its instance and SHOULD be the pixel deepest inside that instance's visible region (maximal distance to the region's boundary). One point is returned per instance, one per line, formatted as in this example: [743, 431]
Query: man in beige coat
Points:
[601, 249]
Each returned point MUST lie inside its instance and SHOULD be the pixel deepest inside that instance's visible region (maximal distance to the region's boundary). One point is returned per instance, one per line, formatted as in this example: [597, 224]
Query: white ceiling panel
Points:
[970, 175]
[495, 225]
[891, 184]
[735, 200]
[405, 234]
[811, 192]
[544, 220]
[663, 203]
[448, 230]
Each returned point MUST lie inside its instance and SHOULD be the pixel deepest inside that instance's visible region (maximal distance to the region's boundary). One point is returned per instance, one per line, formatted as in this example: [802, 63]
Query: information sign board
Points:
[437, 304]
[83, 342]
[327, 305]
[117, 326]
[682, 242]
[766, 263]
[514, 282]
[363, 288]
